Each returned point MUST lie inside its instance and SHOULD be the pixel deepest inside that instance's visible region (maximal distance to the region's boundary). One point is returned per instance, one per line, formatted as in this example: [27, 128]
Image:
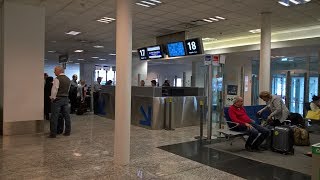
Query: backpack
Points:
[301, 137]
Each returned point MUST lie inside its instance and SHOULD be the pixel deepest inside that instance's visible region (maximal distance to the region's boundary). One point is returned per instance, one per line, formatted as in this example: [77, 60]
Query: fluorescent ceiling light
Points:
[284, 59]
[112, 54]
[78, 51]
[106, 20]
[74, 33]
[95, 57]
[80, 59]
[284, 3]
[52, 51]
[214, 19]
[307, 0]
[294, 1]
[98, 46]
[255, 31]
[140, 4]
[150, 3]
[219, 17]
[76, 63]
[102, 59]
[156, 1]
[207, 20]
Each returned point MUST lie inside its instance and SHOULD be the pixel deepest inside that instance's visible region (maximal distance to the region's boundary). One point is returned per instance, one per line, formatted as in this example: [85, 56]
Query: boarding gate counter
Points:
[159, 107]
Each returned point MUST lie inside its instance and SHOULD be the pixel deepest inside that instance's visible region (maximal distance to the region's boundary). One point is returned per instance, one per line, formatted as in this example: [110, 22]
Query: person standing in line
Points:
[153, 83]
[73, 93]
[142, 83]
[47, 94]
[96, 95]
[60, 102]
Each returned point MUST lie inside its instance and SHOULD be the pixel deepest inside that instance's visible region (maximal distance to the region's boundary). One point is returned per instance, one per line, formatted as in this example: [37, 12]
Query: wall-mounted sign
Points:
[232, 90]
[154, 52]
[194, 46]
[176, 49]
[143, 53]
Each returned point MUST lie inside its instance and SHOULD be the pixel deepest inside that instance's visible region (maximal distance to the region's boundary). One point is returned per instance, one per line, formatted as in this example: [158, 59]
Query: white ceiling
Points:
[169, 17]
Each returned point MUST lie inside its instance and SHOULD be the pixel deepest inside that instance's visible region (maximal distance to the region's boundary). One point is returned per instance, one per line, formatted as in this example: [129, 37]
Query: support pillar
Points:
[21, 67]
[265, 53]
[123, 87]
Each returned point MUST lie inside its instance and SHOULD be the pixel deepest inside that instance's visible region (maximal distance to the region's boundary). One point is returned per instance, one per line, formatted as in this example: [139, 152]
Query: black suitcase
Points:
[283, 140]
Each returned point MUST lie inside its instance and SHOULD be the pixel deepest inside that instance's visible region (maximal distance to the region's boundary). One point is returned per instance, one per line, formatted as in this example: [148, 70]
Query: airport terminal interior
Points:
[156, 86]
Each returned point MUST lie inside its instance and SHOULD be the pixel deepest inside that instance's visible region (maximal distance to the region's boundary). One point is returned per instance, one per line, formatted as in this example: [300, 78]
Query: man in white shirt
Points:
[60, 102]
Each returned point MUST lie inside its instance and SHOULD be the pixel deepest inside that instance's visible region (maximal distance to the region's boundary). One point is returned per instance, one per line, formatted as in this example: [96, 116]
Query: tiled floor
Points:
[88, 154]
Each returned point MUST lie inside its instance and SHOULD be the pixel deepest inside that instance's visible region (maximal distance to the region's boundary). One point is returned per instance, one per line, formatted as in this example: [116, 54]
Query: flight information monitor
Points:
[143, 53]
[194, 46]
[154, 52]
[176, 49]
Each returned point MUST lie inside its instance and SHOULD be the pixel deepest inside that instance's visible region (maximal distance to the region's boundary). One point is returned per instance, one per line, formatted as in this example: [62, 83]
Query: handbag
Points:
[313, 115]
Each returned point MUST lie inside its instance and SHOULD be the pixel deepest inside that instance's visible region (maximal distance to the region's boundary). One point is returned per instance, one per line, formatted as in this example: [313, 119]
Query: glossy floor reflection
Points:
[88, 154]
[233, 164]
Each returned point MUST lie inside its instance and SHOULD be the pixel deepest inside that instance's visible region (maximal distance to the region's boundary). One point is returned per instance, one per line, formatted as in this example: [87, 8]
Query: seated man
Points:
[238, 115]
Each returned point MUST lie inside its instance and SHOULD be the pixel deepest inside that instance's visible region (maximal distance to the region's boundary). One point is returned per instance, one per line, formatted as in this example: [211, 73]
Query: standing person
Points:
[81, 95]
[60, 102]
[166, 83]
[278, 109]
[142, 83]
[314, 105]
[96, 95]
[257, 134]
[45, 76]
[153, 83]
[47, 94]
[73, 93]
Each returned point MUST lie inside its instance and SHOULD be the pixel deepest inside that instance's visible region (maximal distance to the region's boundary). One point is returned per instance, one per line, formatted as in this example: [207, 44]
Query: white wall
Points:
[24, 37]
[233, 72]
[139, 67]
[70, 70]
[169, 71]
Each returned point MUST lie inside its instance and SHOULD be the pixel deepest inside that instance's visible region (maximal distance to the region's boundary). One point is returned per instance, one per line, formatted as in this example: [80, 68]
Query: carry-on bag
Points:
[282, 140]
[301, 137]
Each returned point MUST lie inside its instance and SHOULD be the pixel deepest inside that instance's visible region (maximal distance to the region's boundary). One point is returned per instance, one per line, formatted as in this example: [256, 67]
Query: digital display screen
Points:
[63, 58]
[143, 53]
[176, 49]
[155, 52]
[194, 46]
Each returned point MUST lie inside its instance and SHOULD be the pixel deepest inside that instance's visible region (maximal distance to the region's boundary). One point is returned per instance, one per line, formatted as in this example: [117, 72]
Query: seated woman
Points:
[315, 103]
[314, 114]
[279, 111]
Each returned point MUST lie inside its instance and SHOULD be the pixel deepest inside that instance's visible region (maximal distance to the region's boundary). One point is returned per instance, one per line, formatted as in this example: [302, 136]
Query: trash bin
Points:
[316, 161]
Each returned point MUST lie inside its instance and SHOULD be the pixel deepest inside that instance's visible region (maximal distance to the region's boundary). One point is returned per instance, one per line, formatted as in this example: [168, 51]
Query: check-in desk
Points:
[159, 107]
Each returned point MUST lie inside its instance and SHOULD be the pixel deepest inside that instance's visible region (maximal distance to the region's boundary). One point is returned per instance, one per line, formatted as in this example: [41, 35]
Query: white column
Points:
[22, 68]
[265, 53]
[123, 88]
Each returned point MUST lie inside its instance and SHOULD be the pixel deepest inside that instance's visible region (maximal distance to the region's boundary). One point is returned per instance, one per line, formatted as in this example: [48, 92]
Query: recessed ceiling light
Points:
[144, 5]
[78, 51]
[80, 59]
[155, 1]
[214, 19]
[52, 51]
[73, 33]
[102, 59]
[254, 31]
[207, 20]
[95, 57]
[284, 2]
[219, 17]
[209, 39]
[294, 1]
[106, 20]
[98, 46]
[76, 63]
[150, 3]
[112, 54]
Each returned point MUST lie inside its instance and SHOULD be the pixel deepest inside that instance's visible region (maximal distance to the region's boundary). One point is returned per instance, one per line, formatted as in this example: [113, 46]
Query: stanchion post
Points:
[201, 119]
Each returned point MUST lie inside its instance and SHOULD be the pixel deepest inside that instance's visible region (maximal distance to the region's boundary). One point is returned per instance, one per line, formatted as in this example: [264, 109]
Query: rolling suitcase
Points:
[282, 140]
